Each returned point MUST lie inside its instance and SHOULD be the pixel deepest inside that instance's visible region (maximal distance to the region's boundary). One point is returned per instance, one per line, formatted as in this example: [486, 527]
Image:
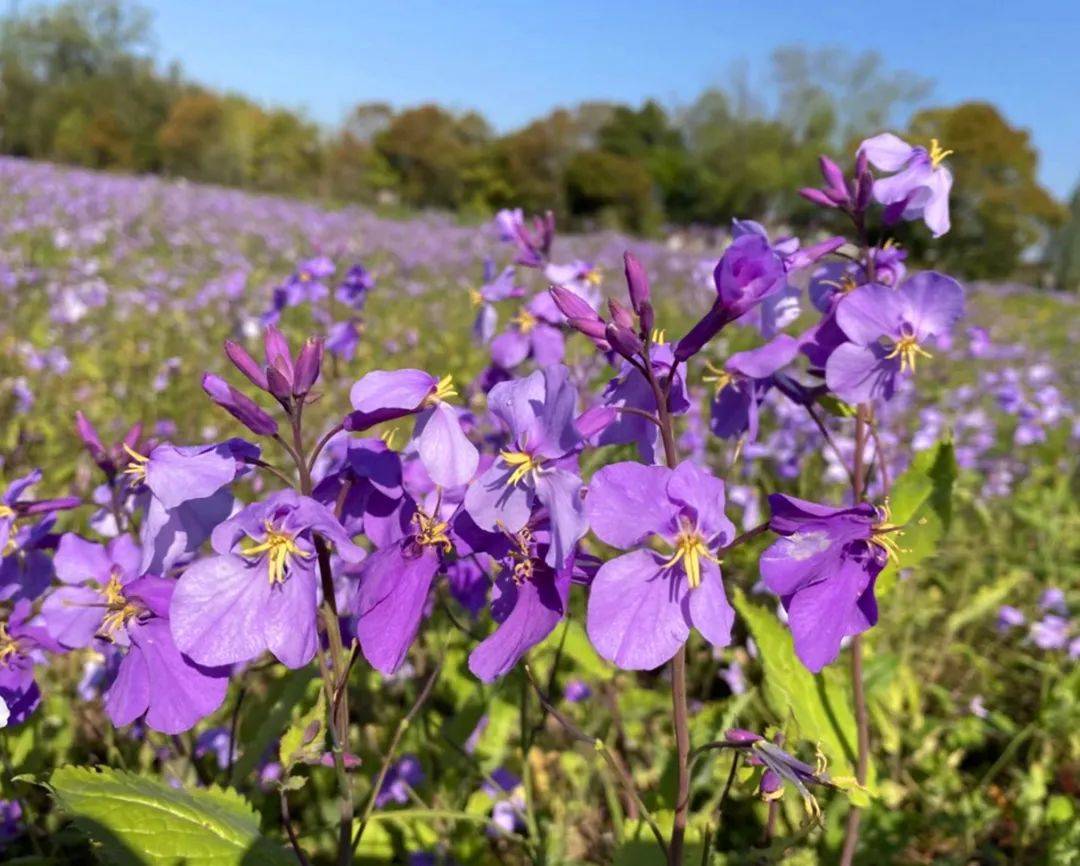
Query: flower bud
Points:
[637, 281]
[834, 177]
[816, 196]
[278, 383]
[623, 340]
[863, 190]
[647, 317]
[246, 364]
[571, 304]
[620, 315]
[240, 406]
[308, 365]
[277, 351]
[93, 443]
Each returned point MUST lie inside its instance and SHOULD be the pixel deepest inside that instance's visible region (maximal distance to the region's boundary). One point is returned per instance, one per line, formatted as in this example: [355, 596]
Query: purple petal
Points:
[697, 489]
[934, 303]
[391, 389]
[627, 502]
[218, 609]
[861, 374]
[78, 560]
[290, 623]
[393, 591]
[707, 608]
[176, 476]
[491, 500]
[887, 152]
[446, 452]
[560, 491]
[871, 312]
[635, 618]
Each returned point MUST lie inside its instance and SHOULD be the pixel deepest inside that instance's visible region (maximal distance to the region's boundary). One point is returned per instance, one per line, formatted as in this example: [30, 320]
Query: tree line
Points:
[79, 84]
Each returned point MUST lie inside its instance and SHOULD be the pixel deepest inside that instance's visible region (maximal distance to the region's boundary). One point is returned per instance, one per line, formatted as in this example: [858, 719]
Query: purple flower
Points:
[394, 585]
[446, 452]
[343, 338]
[630, 389]
[780, 768]
[577, 691]
[14, 506]
[643, 604]
[404, 774]
[920, 184]
[537, 466]
[742, 384]
[23, 644]
[307, 283]
[189, 496]
[823, 568]
[260, 592]
[1009, 618]
[1051, 632]
[533, 333]
[887, 329]
[749, 271]
[91, 599]
[154, 679]
[530, 600]
[1052, 600]
[356, 285]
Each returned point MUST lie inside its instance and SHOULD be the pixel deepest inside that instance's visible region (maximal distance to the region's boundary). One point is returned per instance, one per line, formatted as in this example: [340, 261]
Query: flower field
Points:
[333, 538]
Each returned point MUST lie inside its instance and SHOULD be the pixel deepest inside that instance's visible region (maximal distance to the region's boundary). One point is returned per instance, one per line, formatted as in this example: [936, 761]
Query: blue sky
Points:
[516, 59]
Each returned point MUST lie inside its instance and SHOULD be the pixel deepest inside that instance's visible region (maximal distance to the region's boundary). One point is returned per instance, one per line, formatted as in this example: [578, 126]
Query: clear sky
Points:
[516, 59]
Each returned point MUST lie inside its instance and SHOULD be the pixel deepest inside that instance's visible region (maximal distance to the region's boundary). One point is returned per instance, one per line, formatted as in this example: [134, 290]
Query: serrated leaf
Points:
[814, 708]
[138, 820]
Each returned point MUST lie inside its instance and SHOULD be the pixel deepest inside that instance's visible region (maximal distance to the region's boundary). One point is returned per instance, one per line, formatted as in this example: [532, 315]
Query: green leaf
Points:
[303, 741]
[812, 708]
[137, 820]
[921, 502]
[264, 718]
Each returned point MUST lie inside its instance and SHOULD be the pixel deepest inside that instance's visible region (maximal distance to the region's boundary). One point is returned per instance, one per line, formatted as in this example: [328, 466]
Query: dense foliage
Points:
[78, 84]
[762, 555]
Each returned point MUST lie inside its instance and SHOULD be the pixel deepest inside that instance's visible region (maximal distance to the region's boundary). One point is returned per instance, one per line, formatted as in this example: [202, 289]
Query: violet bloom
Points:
[529, 601]
[630, 389]
[920, 184]
[577, 691]
[823, 568]
[1051, 632]
[154, 679]
[742, 383]
[404, 774]
[749, 272]
[1009, 618]
[780, 309]
[23, 644]
[643, 604]
[780, 768]
[533, 333]
[444, 449]
[495, 288]
[91, 599]
[343, 339]
[189, 496]
[538, 465]
[307, 284]
[355, 286]
[14, 506]
[260, 592]
[394, 585]
[887, 329]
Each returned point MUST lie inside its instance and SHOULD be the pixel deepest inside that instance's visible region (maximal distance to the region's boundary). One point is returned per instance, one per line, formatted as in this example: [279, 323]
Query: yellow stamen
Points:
[937, 153]
[476, 297]
[522, 462]
[907, 349]
[432, 532]
[443, 391]
[885, 533]
[305, 277]
[8, 645]
[658, 336]
[594, 277]
[525, 321]
[137, 467]
[690, 549]
[719, 377]
[6, 511]
[844, 285]
[279, 546]
[388, 437]
[120, 609]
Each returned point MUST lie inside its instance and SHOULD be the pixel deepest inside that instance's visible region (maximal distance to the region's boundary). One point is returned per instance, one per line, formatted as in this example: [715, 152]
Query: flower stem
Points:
[862, 722]
[679, 712]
